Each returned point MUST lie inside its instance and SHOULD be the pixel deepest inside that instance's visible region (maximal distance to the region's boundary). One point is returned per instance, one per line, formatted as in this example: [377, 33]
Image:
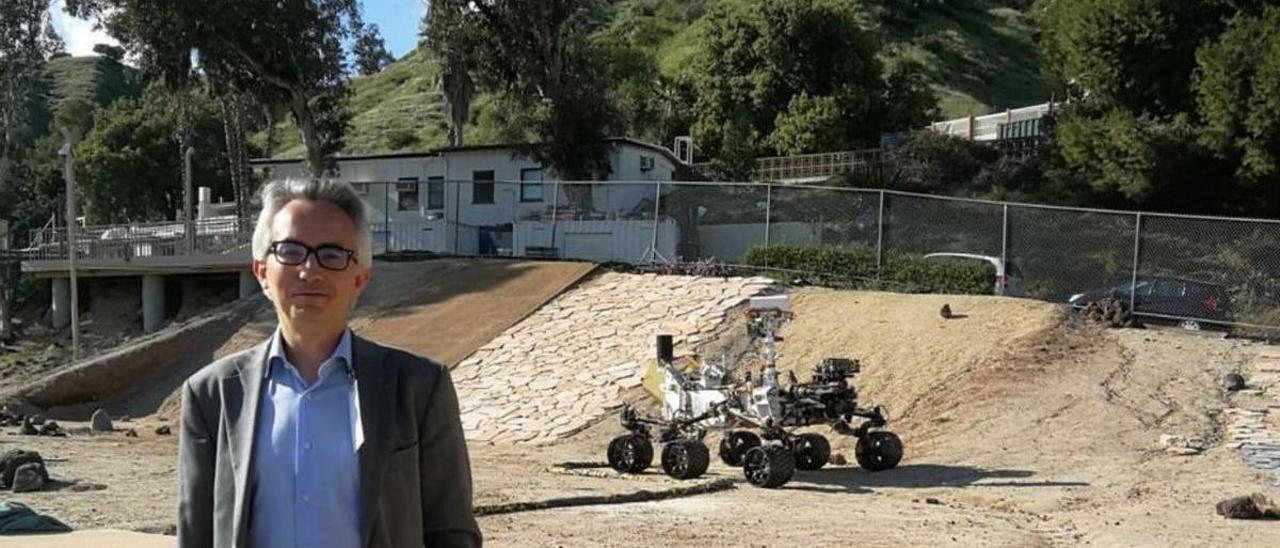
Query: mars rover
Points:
[708, 399]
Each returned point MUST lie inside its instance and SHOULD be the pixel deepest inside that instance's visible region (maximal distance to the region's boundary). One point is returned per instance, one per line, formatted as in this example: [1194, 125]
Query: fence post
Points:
[457, 221]
[1004, 242]
[768, 212]
[386, 218]
[555, 213]
[188, 210]
[515, 214]
[652, 252]
[1133, 282]
[880, 239]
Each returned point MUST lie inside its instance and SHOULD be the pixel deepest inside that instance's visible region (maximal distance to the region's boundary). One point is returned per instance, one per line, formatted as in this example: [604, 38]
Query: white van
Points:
[1008, 277]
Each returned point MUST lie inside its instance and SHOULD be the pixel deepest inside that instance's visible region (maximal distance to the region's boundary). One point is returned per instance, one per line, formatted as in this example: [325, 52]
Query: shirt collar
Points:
[342, 351]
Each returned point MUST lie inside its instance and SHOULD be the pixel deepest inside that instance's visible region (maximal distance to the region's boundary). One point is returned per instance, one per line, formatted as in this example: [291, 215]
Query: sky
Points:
[396, 19]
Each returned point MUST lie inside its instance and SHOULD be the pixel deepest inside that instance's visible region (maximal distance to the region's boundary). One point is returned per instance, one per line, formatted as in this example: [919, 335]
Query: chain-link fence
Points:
[1203, 272]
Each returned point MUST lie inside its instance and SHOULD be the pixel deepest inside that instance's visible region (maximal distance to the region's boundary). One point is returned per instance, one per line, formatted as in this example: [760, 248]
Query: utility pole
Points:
[69, 173]
[190, 227]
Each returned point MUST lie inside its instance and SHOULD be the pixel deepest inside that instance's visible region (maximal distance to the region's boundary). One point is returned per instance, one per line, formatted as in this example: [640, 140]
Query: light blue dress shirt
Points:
[306, 473]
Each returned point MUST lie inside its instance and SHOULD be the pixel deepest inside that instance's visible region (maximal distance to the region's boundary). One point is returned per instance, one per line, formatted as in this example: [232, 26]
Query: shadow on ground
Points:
[918, 476]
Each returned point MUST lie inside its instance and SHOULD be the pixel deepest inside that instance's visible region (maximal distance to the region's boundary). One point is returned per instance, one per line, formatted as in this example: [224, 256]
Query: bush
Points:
[401, 138]
[958, 277]
[856, 268]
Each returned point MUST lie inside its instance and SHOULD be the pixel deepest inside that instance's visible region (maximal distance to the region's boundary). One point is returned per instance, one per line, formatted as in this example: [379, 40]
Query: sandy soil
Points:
[1026, 429]
[1022, 426]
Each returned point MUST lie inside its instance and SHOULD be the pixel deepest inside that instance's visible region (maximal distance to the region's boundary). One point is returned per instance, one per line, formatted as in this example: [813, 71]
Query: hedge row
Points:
[856, 267]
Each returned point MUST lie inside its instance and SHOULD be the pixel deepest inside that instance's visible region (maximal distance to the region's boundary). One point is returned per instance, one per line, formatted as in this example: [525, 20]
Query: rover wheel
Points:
[685, 459]
[630, 453]
[878, 450]
[812, 451]
[769, 466]
[735, 444]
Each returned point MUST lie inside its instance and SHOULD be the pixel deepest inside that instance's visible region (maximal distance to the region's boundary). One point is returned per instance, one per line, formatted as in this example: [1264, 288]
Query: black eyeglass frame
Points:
[274, 248]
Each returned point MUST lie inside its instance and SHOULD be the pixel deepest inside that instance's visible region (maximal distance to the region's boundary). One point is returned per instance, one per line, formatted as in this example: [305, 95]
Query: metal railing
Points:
[126, 242]
[810, 166]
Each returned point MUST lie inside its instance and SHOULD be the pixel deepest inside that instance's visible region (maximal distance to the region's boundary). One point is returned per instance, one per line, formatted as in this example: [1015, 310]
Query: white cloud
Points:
[78, 34]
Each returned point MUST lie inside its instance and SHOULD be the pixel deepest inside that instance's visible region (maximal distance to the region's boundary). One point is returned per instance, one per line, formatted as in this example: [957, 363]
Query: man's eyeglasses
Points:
[330, 257]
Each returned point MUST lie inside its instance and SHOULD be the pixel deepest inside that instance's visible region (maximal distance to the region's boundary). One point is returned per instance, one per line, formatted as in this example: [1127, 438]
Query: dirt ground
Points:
[1022, 426]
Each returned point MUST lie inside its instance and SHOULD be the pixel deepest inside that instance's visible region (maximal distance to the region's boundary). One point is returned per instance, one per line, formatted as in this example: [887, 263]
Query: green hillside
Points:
[979, 55]
[97, 79]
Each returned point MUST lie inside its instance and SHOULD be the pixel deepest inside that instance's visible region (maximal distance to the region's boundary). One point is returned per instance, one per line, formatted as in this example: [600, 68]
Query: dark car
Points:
[1189, 303]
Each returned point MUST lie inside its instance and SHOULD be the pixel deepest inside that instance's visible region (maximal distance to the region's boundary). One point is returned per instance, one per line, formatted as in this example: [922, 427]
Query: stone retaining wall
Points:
[565, 366]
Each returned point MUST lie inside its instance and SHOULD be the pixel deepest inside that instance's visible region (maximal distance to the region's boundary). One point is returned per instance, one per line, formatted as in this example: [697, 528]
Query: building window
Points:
[482, 187]
[531, 185]
[407, 194]
[361, 188]
[435, 193]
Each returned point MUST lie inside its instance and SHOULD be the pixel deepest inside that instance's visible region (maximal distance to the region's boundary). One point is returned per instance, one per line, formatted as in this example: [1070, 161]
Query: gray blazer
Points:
[415, 476]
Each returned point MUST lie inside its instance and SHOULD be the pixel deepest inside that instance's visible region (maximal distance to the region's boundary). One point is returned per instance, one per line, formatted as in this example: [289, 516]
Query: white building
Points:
[492, 199]
[1011, 124]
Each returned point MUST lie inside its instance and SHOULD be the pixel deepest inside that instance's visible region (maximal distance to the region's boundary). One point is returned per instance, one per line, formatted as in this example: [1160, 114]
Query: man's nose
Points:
[308, 267]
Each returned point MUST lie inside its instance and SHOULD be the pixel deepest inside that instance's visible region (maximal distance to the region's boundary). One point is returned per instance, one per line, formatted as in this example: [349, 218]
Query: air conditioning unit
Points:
[646, 163]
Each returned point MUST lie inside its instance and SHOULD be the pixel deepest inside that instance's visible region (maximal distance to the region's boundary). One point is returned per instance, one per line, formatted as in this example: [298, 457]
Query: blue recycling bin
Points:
[486, 241]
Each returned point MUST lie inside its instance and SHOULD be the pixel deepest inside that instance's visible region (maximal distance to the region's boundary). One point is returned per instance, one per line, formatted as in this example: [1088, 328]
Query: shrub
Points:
[856, 268]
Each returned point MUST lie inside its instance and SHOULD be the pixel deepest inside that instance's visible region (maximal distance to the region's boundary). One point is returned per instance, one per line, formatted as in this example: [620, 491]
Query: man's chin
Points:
[311, 308]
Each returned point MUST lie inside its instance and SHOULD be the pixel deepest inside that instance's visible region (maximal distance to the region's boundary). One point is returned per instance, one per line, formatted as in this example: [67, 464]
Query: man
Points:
[317, 437]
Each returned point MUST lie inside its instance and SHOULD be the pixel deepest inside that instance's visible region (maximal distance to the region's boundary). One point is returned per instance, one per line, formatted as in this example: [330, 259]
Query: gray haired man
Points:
[317, 437]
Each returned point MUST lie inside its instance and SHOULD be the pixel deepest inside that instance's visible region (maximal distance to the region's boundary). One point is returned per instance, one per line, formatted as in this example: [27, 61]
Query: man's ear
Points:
[260, 272]
[362, 280]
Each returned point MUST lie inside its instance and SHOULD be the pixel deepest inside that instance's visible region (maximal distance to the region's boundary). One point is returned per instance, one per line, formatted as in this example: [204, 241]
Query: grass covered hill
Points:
[978, 54]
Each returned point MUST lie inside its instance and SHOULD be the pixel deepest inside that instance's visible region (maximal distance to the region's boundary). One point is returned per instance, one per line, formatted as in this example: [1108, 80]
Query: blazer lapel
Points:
[240, 397]
[372, 387]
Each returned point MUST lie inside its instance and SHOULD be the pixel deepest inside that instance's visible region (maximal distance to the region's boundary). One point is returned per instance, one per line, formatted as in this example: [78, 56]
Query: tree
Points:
[1132, 131]
[451, 34]
[234, 109]
[1238, 92]
[650, 105]
[909, 101]
[130, 165]
[371, 51]
[807, 71]
[114, 53]
[939, 164]
[737, 158]
[27, 40]
[809, 124]
[286, 52]
[74, 118]
[1133, 54]
[540, 59]
[10, 277]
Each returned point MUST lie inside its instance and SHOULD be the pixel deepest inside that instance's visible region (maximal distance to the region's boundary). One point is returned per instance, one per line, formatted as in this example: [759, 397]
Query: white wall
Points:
[506, 168]
[626, 163]
[729, 242]
[614, 199]
[436, 236]
[626, 241]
